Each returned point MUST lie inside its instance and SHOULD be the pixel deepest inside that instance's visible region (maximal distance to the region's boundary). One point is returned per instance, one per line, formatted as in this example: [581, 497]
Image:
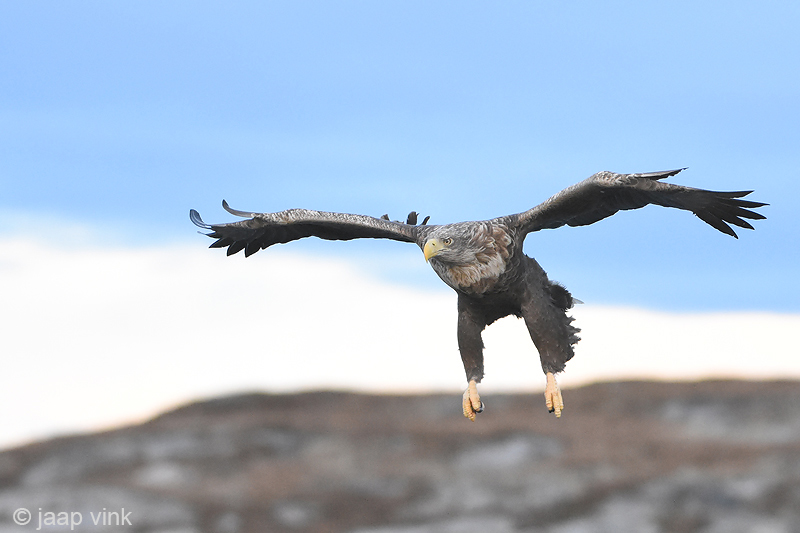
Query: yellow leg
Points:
[472, 401]
[552, 396]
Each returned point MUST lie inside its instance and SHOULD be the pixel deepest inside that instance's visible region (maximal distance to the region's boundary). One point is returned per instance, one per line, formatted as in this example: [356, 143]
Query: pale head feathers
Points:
[472, 255]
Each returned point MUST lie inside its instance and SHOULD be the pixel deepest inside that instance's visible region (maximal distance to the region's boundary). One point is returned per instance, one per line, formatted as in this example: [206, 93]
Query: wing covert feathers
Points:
[262, 230]
[605, 193]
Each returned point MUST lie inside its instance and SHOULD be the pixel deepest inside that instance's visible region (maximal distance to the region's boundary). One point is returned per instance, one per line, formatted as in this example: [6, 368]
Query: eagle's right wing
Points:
[261, 230]
[605, 193]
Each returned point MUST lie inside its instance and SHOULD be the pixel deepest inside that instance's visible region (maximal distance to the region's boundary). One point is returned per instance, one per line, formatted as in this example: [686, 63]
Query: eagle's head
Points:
[451, 244]
[468, 256]
[467, 243]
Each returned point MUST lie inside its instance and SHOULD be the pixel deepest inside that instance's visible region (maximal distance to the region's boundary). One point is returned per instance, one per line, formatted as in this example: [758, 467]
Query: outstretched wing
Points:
[261, 230]
[605, 193]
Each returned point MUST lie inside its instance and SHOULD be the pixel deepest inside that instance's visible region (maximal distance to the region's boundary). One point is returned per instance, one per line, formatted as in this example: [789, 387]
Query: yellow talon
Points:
[472, 403]
[552, 396]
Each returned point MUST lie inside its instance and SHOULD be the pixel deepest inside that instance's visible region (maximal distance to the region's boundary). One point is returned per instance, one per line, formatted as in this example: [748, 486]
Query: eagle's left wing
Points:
[605, 193]
[261, 230]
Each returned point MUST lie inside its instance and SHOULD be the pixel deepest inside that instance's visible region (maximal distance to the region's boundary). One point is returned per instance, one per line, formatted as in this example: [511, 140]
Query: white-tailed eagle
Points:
[484, 263]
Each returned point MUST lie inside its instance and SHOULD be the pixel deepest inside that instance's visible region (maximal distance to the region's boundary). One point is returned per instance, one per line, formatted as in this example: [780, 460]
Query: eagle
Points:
[483, 260]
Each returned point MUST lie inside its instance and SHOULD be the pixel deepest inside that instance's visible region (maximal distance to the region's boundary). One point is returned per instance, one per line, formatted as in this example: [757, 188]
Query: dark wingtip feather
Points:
[251, 248]
[221, 243]
[716, 223]
[744, 203]
[742, 223]
[236, 247]
[727, 208]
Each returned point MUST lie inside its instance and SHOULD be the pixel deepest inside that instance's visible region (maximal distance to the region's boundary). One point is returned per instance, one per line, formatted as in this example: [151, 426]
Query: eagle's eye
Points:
[448, 240]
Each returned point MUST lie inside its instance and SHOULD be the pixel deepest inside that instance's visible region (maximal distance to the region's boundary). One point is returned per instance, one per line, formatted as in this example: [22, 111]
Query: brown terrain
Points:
[626, 457]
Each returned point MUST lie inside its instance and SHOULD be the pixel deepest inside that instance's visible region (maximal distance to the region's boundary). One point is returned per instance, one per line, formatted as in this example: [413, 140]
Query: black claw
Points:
[479, 409]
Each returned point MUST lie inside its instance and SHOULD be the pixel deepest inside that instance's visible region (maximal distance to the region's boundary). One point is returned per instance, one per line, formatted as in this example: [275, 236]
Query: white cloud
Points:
[99, 336]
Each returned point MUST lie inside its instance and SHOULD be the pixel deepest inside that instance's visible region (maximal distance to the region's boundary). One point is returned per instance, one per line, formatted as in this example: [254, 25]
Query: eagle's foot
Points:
[552, 396]
[472, 401]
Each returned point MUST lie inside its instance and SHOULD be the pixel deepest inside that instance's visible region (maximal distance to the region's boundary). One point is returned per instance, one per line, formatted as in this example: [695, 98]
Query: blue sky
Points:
[120, 116]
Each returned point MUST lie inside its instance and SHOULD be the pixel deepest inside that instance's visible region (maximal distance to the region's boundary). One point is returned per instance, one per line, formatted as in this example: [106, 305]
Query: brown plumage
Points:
[484, 263]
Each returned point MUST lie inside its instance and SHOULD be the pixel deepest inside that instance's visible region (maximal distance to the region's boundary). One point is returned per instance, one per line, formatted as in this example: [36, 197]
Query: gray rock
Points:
[625, 457]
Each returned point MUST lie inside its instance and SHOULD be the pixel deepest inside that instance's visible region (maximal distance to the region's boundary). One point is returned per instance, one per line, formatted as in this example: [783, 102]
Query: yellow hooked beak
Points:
[433, 247]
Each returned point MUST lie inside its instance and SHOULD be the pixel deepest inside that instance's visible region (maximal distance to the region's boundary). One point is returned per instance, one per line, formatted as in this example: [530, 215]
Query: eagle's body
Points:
[494, 279]
[484, 263]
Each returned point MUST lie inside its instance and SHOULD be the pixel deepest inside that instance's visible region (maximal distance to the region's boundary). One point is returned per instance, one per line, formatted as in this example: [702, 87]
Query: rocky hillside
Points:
[625, 457]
